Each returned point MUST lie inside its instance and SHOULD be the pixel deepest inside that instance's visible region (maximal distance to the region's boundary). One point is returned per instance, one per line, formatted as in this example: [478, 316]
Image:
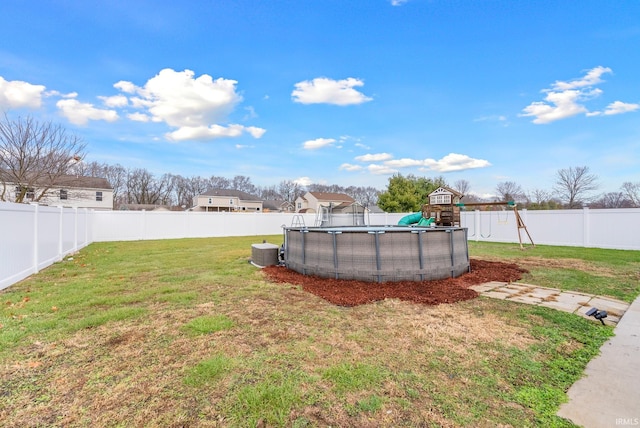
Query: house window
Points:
[230, 201]
[99, 196]
[29, 192]
[210, 201]
[441, 199]
[299, 205]
[63, 195]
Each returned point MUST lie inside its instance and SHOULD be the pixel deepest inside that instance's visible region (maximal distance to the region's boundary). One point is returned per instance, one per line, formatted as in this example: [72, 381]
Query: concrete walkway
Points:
[608, 395]
[567, 301]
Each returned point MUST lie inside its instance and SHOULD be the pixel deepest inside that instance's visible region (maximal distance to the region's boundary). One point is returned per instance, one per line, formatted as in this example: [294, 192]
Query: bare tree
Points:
[290, 190]
[510, 191]
[574, 184]
[612, 200]
[219, 182]
[632, 192]
[35, 156]
[462, 186]
[116, 175]
[539, 196]
[268, 193]
[365, 196]
[144, 188]
[186, 189]
[325, 188]
[243, 184]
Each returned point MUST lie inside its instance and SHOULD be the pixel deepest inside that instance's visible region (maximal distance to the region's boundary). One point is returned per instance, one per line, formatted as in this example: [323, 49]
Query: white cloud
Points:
[303, 181]
[618, 107]
[19, 94]
[404, 163]
[115, 101]
[455, 162]
[80, 113]
[204, 132]
[139, 117]
[558, 105]
[55, 93]
[179, 99]
[450, 162]
[350, 167]
[251, 113]
[126, 87]
[566, 99]
[255, 131]
[377, 157]
[197, 106]
[381, 169]
[398, 2]
[593, 77]
[322, 90]
[495, 118]
[318, 143]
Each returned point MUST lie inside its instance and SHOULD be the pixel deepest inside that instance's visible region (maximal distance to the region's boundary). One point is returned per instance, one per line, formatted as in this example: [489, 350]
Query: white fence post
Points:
[585, 227]
[35, 238]
[75, 229]
[60, 232]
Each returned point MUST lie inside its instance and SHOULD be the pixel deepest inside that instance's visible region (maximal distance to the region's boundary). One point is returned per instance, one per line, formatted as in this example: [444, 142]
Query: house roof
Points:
[343, 205]
[446, 190]
[327, 196]
[244, 196]
[147, 207]
[84, 182]
[275, 204]
[68, 180]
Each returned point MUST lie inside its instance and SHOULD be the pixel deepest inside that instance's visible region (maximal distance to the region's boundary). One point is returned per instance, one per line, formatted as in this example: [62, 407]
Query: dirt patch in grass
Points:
[353, 292]
[562, 263]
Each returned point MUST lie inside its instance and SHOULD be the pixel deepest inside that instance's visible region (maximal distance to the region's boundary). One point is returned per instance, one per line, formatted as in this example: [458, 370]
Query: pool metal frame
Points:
[377, 253]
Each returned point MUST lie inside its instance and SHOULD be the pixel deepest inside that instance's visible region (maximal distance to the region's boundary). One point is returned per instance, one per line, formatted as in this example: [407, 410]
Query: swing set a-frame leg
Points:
[520, 224]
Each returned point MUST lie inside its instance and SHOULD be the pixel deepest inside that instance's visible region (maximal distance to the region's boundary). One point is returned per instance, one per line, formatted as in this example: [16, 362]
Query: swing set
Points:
[519, 222]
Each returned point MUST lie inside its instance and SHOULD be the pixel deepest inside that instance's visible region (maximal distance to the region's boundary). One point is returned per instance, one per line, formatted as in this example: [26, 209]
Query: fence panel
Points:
[18, 231]
[48, 236]
[141, 225]
[601, 228]
[33, 237]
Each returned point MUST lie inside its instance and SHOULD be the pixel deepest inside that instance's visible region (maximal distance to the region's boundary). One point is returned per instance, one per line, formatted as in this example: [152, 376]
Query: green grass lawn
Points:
[188, 333]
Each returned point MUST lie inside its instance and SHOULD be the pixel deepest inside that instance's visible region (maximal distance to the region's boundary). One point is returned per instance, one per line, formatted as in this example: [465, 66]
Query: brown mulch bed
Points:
[352, 293]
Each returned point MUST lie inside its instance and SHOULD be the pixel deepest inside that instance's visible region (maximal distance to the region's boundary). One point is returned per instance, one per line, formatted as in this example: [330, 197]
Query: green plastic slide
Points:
[415, 218]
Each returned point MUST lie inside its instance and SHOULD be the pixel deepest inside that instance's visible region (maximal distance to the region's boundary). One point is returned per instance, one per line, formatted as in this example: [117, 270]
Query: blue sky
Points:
[335, 91]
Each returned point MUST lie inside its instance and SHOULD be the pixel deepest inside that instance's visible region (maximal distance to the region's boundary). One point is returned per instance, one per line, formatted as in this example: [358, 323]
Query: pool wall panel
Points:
[385, 254]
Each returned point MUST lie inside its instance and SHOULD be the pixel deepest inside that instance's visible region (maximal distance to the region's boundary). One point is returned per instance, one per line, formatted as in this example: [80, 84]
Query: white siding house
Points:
[68, 191]
[226, 200]
[312, 202]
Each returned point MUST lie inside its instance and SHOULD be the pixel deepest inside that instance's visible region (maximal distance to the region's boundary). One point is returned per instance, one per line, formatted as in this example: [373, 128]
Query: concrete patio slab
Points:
[609, 393]
[566, 301]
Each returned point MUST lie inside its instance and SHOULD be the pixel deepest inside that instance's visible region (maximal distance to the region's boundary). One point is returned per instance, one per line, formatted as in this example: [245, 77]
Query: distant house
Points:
[227, 200]
[68, 191]
[278, 206]
[314, 202]
[148, 207]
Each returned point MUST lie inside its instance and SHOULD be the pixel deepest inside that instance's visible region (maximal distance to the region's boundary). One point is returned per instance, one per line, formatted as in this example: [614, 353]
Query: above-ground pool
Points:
[377, 253]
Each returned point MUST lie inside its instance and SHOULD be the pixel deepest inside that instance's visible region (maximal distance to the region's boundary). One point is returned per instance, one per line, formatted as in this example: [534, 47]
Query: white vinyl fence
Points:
[33, 237]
